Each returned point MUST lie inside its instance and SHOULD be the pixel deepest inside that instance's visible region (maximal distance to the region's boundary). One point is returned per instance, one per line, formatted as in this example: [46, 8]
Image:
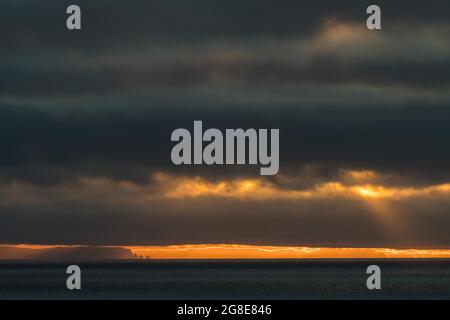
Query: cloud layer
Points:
[86, 118]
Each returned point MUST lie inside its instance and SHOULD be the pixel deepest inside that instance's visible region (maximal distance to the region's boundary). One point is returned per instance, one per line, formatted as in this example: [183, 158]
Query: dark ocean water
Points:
[243, 279]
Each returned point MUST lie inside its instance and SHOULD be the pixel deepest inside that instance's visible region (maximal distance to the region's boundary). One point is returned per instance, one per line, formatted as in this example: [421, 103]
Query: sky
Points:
[86, 118]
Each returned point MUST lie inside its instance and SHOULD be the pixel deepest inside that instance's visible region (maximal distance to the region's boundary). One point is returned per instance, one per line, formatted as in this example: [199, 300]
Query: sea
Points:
[228, 279]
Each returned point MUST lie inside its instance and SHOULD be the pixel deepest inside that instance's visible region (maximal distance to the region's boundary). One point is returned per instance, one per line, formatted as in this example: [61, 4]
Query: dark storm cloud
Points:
[116, 23]
[102, 103]
[40, 57]
[321, 70]
[322, 222]
[45, 149]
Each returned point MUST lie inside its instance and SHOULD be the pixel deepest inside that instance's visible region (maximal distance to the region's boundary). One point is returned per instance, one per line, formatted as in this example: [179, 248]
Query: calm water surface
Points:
[236, 279]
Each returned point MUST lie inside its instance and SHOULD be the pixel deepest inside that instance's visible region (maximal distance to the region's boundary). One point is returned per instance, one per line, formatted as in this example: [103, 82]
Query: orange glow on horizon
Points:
[235, 251]
[228, 251]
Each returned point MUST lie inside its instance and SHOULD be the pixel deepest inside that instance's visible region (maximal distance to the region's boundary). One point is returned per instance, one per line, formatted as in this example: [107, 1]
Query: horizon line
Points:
[212, 252]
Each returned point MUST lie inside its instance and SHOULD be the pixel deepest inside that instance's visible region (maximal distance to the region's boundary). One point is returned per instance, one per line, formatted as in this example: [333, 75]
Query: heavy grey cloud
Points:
[101, 104]
[171, 43]
[329, 222]
[45, 149]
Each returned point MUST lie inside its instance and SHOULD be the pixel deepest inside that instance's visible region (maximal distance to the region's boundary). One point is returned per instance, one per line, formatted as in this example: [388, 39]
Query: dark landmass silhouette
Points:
[75, 253]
